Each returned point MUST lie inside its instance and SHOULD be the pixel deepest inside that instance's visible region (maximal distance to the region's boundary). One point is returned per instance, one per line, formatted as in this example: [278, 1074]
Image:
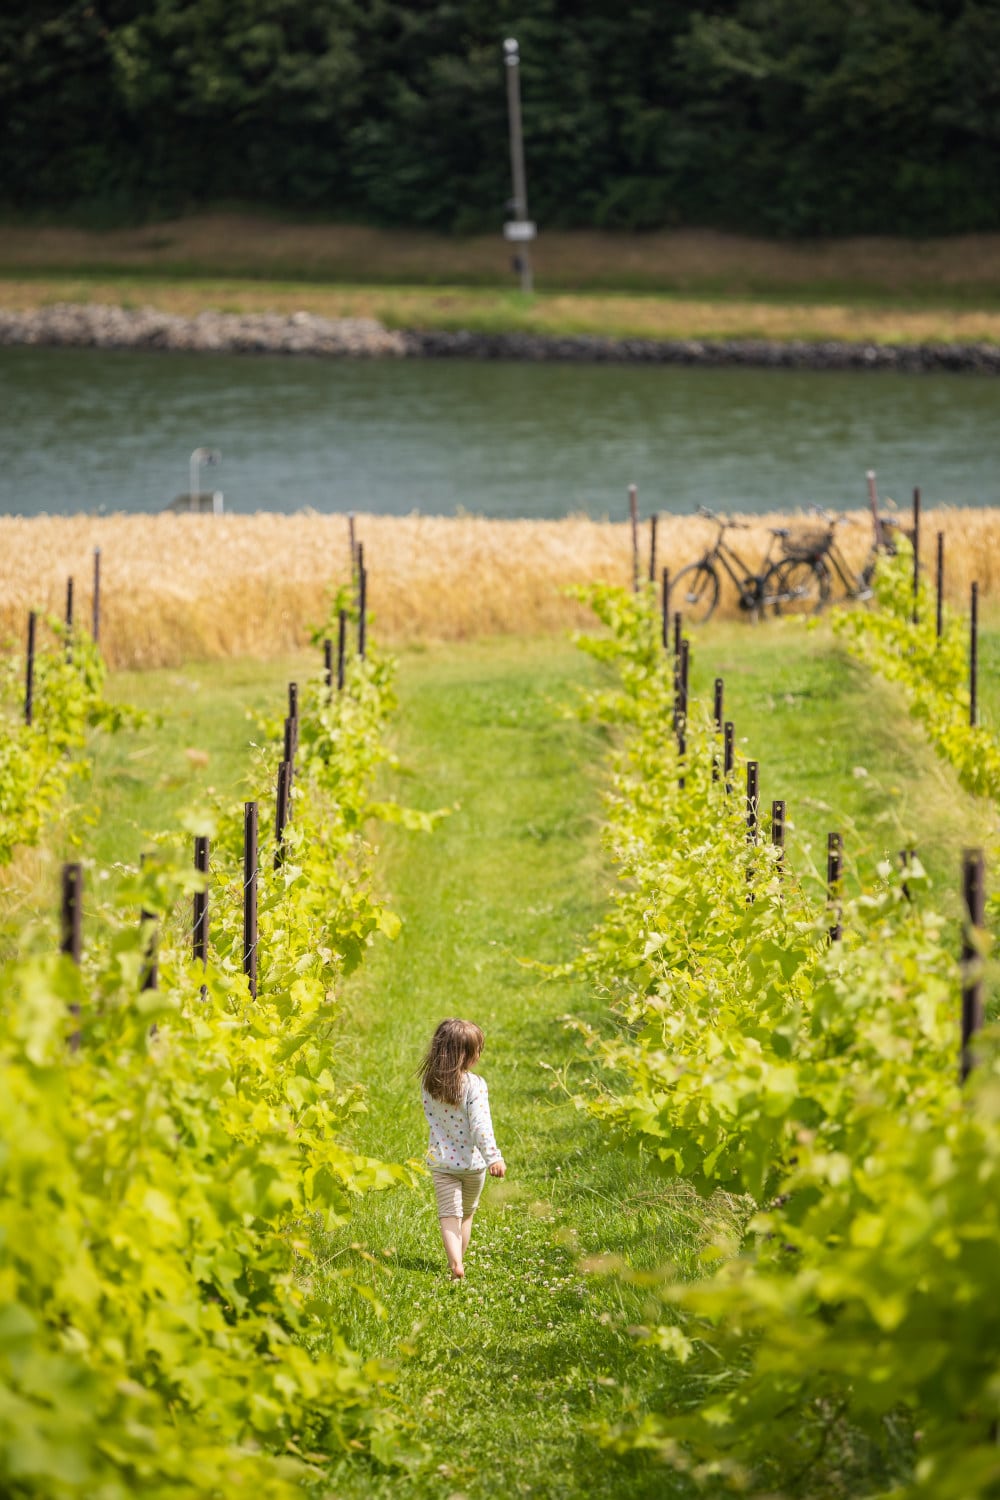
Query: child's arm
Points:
[481, 1125]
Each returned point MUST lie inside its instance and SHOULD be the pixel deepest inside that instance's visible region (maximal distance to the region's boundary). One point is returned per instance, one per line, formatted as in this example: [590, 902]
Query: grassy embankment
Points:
[503, 1371]
[170, 598]
[679, 284]
[506, 1369]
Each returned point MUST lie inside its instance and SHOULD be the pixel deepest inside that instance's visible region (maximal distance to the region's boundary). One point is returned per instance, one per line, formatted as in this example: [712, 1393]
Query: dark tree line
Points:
[782, 116]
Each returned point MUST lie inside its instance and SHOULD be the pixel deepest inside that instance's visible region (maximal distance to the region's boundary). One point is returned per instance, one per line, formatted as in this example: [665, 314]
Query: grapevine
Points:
[38, 759]
[169, 1153]
[849, 1341]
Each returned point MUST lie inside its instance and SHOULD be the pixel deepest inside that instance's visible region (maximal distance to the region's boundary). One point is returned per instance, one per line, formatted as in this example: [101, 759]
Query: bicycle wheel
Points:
[796, 586]
[695, 592]
[865, 590]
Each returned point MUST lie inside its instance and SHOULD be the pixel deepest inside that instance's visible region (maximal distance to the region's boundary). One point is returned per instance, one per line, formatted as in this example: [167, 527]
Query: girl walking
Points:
[462, 1146]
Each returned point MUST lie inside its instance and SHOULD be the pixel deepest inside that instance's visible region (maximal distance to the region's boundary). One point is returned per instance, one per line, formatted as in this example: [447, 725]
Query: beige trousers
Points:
[457, 1193]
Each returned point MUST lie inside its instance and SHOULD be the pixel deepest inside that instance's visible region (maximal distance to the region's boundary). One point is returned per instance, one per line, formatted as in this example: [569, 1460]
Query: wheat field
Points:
[182, 588]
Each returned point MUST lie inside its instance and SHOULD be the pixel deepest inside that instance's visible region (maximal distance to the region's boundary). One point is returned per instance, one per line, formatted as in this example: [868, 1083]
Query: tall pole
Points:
[512, 60]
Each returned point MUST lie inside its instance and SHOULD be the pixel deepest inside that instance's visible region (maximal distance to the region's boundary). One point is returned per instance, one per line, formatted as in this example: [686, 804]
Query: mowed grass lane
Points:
[503, 1371]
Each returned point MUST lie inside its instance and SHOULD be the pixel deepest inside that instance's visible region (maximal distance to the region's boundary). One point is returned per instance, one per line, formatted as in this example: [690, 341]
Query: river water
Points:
[86, 430]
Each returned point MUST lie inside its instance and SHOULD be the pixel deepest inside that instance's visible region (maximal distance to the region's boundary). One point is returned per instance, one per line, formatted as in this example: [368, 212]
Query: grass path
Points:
[511, 1363]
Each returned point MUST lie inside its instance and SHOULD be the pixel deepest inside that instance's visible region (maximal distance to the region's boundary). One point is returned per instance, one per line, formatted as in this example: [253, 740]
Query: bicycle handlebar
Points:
[829, 517]
[723, 521]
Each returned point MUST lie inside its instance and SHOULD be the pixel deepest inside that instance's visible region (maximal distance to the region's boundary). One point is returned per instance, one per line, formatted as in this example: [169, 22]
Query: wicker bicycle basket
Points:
[806, 545]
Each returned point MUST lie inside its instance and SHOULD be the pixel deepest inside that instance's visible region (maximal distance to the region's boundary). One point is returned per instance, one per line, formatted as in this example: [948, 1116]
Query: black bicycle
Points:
[698, 584]
[813, 565]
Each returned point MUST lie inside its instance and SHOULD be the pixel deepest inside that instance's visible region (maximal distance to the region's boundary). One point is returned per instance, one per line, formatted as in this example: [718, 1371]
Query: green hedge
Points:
[780, 116]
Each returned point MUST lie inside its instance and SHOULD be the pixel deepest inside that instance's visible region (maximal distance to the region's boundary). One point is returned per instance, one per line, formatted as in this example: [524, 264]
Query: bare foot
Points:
[458, 1273]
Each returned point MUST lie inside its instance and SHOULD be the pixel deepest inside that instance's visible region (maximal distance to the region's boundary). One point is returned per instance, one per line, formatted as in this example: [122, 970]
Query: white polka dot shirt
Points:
[461, 1134]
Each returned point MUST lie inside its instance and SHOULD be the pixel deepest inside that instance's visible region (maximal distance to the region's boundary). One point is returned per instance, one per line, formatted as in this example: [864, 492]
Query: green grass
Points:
[500, 1377]
[198, 738]
[692, 308]
[838, 745]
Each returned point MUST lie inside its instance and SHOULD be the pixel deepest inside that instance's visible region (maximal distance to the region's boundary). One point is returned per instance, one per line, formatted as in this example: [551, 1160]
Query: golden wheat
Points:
[181, 588]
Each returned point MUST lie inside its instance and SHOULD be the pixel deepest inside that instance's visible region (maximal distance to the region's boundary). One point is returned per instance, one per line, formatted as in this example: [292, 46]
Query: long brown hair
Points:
[454, 1047]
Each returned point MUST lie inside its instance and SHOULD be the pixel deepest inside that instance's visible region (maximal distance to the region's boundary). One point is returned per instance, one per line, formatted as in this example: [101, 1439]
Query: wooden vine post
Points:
[362, 602]
[873, 504]
[717, 713]
[778, 829]
[199, 930]
[939, 616]
[95, 605]
[250, 895]
[681, 707]
[665, 610]
[834, 874]
[653, 521]
[974, 900]
[633, 512]
[916, 555]
[293, 715]
[728, 743]
[906, 858]
[282, 812]
[29, 676]
[753, 800]
[71, 923]
[71, 912]
[974, 655]
[69, 619]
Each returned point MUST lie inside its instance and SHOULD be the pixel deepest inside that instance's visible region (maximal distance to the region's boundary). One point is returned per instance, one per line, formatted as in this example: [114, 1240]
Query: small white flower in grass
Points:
[859, 773]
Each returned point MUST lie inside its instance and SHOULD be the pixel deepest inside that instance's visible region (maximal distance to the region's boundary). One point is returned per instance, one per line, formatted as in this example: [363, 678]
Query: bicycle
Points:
[813, 564]
[699, 582]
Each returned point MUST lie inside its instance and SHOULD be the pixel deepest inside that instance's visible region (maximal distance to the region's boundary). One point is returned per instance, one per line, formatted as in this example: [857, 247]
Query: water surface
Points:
[87, 430]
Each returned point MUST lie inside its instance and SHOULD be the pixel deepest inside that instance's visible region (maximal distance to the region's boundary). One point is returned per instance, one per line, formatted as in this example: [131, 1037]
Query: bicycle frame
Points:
[855, 585]
[726, 554]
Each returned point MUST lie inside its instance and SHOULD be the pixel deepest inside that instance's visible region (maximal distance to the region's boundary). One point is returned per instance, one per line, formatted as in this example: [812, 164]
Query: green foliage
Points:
[788, 116]
[848, 1345]
[169, 1154]
[934, 674]
[36, 762]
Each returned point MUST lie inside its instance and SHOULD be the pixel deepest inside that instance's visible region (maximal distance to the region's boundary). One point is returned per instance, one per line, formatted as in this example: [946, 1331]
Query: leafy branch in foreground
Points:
[849, 1345]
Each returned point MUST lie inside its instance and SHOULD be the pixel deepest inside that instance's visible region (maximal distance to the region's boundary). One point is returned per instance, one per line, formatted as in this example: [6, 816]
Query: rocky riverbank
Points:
[103, 327]
[95, 326]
